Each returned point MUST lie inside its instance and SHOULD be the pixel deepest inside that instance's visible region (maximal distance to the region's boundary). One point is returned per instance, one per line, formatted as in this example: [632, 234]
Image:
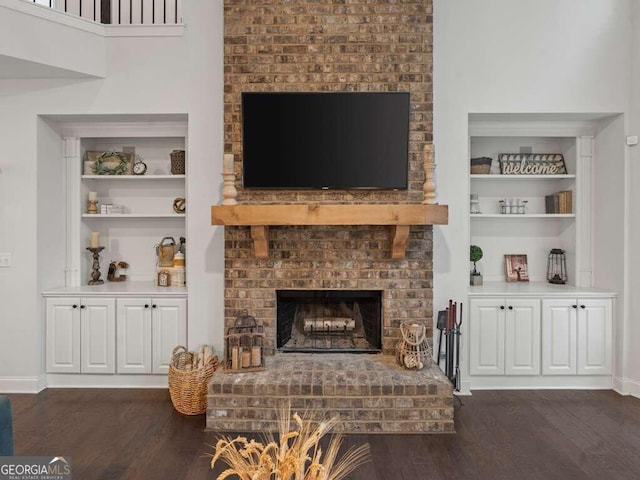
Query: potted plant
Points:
[475, 255]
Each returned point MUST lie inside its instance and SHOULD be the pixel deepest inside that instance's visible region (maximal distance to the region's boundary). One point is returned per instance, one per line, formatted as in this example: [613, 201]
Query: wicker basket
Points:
[188, 388]
[177, 162]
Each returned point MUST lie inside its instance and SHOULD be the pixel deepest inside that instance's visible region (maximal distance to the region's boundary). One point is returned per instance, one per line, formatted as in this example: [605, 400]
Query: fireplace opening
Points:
[329, 321]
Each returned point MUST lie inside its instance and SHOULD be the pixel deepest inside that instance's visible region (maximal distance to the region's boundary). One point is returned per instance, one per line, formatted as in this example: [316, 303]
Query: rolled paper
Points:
[95, 240]
[234, 358]
[246, 359]
[256, 359]
[93, 196]
[228, 163]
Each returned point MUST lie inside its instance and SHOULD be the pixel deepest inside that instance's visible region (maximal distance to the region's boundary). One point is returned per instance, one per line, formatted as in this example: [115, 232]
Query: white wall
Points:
[514, 56]
[145, 75]
[631, 375]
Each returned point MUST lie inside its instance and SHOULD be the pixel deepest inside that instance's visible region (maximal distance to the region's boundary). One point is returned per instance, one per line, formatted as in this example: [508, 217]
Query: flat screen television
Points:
[325, 140]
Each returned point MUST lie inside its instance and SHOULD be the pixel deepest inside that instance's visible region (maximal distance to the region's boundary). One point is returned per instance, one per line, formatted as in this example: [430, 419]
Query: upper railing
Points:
[121, 12]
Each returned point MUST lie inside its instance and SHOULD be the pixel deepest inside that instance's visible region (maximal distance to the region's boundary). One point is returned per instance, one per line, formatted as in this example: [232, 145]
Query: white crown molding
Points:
[532, 128]
[124, 129]
[153, 30]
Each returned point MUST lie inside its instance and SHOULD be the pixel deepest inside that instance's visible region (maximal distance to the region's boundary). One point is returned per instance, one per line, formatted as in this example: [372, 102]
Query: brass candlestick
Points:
[95, 268]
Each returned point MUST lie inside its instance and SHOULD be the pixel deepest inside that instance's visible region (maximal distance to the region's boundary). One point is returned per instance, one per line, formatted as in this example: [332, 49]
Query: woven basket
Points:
[188, 388]
[177, 162]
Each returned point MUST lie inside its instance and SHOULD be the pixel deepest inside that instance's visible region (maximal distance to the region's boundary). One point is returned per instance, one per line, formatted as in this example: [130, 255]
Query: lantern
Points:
[557, 267]
[244, 345]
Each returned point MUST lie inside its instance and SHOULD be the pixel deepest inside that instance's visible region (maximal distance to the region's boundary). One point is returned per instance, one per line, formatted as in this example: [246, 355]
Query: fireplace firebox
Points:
[329, 321]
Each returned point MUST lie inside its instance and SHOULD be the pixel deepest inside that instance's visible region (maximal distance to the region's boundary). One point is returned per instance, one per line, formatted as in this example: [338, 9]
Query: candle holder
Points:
[92, 206]
[95, 268]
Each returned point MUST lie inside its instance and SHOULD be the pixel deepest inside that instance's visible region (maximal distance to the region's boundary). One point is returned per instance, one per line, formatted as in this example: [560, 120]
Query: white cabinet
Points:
[80, 335]
[148, 330]
[504, 336]
[577, 337]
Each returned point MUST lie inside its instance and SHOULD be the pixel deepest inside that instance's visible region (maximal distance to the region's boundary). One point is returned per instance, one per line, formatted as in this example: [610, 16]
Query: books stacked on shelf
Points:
[559, 202]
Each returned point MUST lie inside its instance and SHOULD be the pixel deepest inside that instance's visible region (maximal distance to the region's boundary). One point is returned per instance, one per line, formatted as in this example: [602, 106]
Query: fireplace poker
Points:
[441, 325]
[451, 345]
[458, 333]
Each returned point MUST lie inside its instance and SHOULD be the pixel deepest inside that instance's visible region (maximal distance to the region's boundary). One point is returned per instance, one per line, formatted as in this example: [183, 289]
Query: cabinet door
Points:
[522, 337]
[133, 335]
[169, 329]
[98, 335]
[559, 337]
[594, 337]
[63, 335]
[486, 336]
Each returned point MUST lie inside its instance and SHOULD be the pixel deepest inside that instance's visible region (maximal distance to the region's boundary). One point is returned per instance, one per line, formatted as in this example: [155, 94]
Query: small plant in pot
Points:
[475, 255]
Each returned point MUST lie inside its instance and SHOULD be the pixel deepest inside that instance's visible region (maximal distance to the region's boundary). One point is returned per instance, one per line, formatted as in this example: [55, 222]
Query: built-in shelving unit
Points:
[147, 200]
[534, 232]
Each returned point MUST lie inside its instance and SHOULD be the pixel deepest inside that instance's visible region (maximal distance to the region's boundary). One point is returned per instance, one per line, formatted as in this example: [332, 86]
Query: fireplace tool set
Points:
[449, 326]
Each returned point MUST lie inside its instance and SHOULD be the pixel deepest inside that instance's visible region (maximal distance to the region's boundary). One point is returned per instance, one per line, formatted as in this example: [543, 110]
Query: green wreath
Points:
[99, 168]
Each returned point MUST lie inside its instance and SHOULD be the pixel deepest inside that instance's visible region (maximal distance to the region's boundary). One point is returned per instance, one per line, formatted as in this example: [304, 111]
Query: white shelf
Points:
[118, 289]
[133, 215]
[535, 289]
[133, 177]
[525, 215]
[520, 177]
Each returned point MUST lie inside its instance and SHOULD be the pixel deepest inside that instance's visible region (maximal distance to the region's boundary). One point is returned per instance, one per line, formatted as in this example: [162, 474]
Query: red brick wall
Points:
[317, 46]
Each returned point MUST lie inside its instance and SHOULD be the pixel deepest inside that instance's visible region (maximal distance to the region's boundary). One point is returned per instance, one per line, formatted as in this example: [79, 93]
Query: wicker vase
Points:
[177, 162]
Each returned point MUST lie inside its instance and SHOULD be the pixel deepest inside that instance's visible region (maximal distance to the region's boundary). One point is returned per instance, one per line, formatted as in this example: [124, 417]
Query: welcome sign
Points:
[532, 164]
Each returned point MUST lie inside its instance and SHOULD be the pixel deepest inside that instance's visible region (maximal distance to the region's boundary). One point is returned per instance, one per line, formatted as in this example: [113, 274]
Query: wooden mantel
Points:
[399, 217]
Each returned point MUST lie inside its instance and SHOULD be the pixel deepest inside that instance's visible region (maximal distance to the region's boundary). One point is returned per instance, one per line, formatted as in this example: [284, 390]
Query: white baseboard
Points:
[539, 382]
[465, 388]
[70, 380]
[627, 386]
[22, 384]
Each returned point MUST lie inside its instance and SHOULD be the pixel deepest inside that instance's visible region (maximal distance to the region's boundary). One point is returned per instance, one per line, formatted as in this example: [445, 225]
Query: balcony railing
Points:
[121, 12]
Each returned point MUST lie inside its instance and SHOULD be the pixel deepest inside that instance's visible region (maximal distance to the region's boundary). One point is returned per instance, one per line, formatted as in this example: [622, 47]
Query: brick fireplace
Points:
[316, 46]
[327, 46]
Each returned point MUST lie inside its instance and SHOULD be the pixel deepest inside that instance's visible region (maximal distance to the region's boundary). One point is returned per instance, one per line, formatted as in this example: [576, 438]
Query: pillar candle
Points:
[246, 358]
[227, 166]
[93, 196]
[234, 358]
[95, 240]
[256, 358]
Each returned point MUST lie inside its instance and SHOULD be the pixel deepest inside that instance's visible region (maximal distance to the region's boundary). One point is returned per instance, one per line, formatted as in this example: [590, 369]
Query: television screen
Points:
[325, 140]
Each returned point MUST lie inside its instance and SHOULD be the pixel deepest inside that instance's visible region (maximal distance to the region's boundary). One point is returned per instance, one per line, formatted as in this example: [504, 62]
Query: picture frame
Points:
[516, 268]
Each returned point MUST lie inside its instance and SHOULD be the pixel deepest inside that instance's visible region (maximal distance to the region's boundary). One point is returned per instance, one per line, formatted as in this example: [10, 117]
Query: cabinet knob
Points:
[83, 306]
[153, 306]
[74, 306]
[582, 306]
[146, 305]
[501, 307]
[510, 307]
[574, 306]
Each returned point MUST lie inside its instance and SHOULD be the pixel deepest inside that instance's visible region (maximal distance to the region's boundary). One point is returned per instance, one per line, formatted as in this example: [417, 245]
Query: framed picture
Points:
[516, 268]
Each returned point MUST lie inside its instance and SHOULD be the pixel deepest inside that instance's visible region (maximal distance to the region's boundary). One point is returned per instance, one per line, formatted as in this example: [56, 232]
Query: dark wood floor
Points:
[136, 434]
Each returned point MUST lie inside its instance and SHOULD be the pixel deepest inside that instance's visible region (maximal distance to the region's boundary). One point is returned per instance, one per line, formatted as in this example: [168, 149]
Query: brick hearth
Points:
[370, 393]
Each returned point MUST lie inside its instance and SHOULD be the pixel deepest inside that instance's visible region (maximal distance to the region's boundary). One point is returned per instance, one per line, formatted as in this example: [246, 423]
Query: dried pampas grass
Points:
[297, 456]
